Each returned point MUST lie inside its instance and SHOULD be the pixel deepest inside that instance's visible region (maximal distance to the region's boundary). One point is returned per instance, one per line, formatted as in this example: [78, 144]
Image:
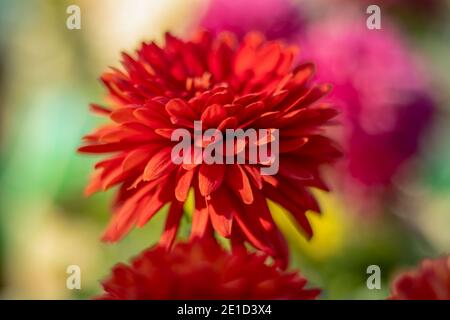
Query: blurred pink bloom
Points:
[408, 5]
[274, 18]
[381, 92]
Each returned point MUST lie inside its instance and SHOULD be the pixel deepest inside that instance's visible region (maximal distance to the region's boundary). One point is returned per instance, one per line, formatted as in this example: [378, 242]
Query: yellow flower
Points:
[329, 227]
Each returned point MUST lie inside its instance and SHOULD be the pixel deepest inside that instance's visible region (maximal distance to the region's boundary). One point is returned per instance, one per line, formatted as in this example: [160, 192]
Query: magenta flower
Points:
[274, 18]
[381, 92]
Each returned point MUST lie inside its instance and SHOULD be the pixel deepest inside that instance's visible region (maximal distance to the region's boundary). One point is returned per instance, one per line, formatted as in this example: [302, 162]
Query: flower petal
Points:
[210, 177]
[221, 211]
[159, 165]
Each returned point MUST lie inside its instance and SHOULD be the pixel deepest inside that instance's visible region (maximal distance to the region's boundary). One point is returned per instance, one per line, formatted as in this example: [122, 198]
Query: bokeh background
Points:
[391, 217]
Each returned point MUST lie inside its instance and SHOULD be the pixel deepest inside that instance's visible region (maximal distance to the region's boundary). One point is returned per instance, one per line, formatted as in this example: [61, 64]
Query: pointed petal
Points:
[201, 225]
[178, 108]
[213, 116]
[159, 165]
[184, 183]
[135, 158]
[239, 183]
[172, 224]
[221, 211]
[210, 177]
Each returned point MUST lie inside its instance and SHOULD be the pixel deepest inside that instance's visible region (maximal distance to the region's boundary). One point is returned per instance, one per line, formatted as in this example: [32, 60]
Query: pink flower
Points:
[274, 18]
[381, 92]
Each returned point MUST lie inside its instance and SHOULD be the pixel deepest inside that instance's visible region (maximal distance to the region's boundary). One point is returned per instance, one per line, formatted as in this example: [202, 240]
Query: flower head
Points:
[225, 84]
[382, 93]
[430, 281]
[202, 270]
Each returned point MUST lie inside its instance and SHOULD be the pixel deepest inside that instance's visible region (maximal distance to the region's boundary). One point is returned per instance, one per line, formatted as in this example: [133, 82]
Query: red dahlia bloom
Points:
[226, 84]
[431, 281]
[203, 270]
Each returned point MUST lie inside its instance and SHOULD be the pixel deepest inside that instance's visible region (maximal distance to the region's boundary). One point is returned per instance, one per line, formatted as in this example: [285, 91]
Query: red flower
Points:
[431, 281]
[202, 270]
[227, 85]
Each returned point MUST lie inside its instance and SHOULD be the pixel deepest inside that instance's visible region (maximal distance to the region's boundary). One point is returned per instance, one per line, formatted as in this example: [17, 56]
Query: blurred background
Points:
[390, 199]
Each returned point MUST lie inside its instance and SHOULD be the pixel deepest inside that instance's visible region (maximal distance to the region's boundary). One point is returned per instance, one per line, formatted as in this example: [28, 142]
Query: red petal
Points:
[268, 59]
[303, 73]
[135, 158]
[165, 132]
[184, 184]
[245, 57]
[228, 123]
[221, 211]
[200, 217]
[298, 212]
[210, 177]
[240, 184]
[103, 148]
[316, 93]
[159, 165]
[252, 229]
[172, 224]
[213, 116]
[151, 118]
[178, 108]
[153, 204]
[255, 175]
[98, 109]
[95, 184]
[292, 168]
[123, 115]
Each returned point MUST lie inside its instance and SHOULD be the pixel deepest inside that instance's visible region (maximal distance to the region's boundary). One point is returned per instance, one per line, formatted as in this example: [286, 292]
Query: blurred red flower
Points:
[203, 270]
[431, 281]
[227, 84]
